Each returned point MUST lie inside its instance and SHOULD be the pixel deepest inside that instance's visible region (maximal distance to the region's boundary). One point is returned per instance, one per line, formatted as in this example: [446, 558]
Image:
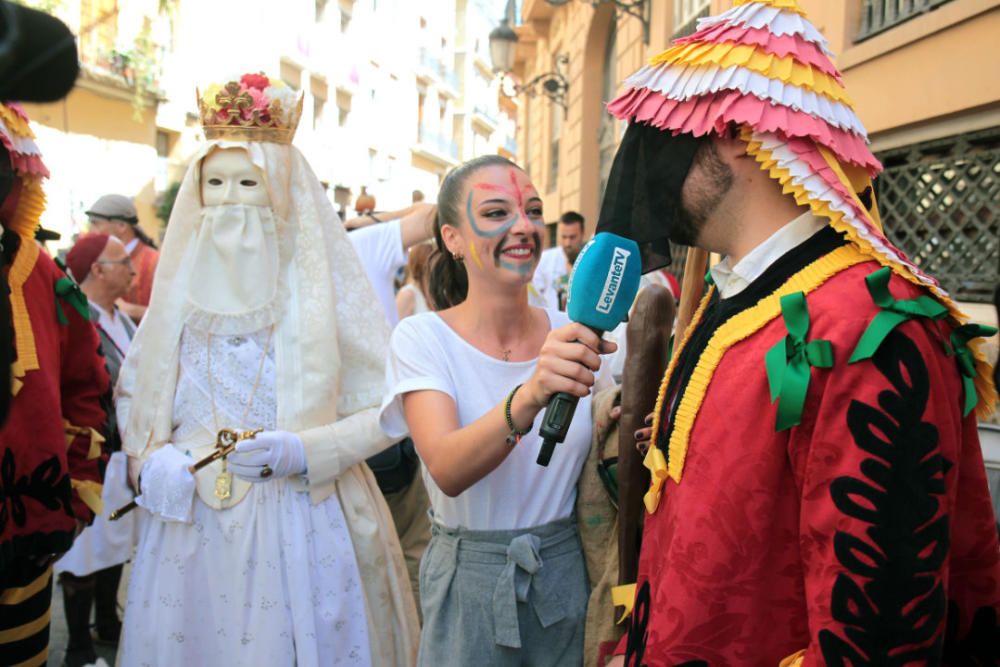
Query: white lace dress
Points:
[270, 581]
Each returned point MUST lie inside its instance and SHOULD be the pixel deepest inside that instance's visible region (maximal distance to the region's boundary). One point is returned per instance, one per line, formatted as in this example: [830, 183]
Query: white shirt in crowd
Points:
[380, 249]
[113, 324]
[425, 353]
[549, 276]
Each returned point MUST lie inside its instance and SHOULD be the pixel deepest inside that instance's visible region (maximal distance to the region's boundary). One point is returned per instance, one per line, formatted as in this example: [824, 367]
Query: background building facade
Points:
[396, 93]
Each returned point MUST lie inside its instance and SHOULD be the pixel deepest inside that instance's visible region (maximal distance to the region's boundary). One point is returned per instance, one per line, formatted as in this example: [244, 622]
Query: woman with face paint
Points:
[503, 579]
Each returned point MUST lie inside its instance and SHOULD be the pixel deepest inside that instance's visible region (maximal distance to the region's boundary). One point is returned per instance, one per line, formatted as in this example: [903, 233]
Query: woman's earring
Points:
[458, 257]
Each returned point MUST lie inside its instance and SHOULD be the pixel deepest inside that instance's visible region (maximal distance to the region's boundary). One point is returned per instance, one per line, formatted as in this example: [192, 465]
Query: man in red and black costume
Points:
[818, 492]
[51, 458]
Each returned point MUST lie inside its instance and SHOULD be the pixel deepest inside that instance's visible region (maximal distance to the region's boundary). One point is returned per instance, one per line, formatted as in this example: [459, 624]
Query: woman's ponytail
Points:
[448, 283]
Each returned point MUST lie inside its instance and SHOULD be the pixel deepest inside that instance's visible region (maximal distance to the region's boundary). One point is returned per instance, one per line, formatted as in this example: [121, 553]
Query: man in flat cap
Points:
[116, 216]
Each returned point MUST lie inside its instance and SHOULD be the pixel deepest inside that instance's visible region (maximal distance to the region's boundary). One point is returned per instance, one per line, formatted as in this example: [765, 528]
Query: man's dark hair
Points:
[571, 218]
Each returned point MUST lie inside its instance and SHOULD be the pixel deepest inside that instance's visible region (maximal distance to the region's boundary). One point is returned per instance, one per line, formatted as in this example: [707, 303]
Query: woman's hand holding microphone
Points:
[568, 362]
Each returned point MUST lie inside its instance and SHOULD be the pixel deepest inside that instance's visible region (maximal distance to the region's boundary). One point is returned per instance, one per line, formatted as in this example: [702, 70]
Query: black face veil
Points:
[644, 189]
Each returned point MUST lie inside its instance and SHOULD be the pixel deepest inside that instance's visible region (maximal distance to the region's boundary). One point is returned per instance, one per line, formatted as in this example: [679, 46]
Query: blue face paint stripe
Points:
[523, 269]
[503, 229]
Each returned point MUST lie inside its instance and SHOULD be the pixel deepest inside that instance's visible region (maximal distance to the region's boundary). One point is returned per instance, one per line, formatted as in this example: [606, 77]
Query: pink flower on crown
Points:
[255, 81]
[260, 100]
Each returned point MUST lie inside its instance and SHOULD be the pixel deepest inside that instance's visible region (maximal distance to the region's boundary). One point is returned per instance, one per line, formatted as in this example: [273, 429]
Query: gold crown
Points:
[255, 108]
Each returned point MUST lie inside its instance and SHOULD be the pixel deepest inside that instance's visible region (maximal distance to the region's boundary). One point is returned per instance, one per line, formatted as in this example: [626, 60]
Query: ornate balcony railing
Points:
[880, 15]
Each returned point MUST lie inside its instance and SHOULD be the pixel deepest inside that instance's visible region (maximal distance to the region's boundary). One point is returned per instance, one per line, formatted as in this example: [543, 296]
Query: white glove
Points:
[167, 485]
[280, 452]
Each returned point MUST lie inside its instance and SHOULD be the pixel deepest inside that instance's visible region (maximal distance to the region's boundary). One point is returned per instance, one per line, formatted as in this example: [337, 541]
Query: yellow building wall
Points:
[96, 142]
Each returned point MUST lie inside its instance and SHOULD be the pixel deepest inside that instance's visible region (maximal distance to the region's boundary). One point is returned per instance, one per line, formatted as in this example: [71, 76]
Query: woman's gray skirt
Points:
[508, 597]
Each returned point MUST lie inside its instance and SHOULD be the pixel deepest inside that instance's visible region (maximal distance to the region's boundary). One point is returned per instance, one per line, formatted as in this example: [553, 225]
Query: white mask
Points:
[235, 267]
[229, 177]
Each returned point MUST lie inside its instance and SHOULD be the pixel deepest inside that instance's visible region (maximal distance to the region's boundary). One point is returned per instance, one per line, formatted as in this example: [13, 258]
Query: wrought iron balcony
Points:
[880, 15]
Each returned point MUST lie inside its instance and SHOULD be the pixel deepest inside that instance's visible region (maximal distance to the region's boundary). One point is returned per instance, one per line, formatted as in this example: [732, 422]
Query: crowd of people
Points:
[315, 442]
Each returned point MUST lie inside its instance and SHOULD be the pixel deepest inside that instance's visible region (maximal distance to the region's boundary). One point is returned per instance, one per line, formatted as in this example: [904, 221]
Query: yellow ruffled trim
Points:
[90, 494]
[794, 660]
[15, 123]
[857, 181]
[738, 328]
[24, 223]
[728, 54]
[789, 5]
[656, 462]
[623, 596]
[96, 439]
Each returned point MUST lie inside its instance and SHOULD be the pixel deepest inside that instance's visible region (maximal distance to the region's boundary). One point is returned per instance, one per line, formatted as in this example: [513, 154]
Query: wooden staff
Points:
[648, 343]
[225, 444]
[692, 289]
[648, 337]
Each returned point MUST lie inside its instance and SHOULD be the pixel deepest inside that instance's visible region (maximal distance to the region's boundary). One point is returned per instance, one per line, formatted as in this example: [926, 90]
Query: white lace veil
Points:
[330, 338]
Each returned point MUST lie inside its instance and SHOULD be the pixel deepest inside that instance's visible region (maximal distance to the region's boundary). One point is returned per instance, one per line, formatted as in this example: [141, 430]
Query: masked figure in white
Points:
[261, 319]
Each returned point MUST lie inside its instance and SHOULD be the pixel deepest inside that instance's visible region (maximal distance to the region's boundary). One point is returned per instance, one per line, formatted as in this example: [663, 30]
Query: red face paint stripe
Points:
[517, 190]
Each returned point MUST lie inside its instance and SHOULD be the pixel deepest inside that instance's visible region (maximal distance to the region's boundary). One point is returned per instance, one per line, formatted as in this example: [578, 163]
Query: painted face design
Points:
[502, 204]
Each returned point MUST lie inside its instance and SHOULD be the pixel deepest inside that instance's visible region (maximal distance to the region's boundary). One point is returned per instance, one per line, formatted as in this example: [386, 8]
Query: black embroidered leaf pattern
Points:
[638, 632]
[891, 603]
[47, 484]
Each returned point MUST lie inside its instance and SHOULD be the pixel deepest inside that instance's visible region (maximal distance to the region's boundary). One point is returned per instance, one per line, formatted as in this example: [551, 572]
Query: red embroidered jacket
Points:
[864, 535]
[51, 459]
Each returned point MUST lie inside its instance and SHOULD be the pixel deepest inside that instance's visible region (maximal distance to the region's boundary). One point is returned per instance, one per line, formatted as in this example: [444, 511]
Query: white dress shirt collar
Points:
[730, 279]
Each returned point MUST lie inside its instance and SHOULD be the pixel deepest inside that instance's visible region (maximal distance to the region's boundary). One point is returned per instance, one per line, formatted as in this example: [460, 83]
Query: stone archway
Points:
[596, 59]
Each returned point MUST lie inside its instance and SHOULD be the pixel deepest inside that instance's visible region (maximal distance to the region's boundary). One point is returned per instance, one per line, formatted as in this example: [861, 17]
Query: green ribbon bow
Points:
[789, 361]
[894, 312]
[70, 292]
[960, 338]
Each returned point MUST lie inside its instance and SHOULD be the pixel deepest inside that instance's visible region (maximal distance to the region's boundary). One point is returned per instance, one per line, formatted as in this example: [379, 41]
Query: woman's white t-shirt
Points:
[425, 353]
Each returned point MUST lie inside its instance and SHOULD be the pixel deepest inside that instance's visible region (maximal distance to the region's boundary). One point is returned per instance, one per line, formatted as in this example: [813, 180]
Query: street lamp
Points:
[553, 85]
[503, 39]
[637, 8]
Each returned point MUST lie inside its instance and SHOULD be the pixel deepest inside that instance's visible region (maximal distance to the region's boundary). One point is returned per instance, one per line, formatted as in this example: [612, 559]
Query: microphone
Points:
[38, 60]
[602, 287]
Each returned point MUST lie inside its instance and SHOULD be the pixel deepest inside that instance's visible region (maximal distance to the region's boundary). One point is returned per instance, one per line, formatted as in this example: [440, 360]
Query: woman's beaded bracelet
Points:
[515, 433]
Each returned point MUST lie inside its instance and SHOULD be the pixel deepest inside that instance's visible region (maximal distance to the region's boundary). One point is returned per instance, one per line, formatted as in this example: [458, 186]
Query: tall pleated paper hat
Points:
[763, 70]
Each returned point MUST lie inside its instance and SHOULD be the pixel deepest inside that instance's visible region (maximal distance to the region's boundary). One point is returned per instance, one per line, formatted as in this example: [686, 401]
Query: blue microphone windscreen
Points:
[604, 281]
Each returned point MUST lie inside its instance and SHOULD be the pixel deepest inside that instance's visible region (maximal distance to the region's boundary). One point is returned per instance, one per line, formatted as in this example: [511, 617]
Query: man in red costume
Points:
[818, 492]
[51, 459]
